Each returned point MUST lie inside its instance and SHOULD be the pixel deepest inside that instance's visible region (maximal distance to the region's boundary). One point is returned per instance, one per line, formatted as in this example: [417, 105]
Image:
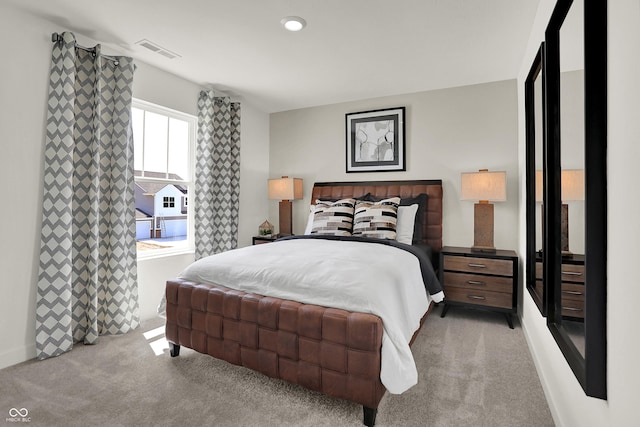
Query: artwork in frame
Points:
[375, 141]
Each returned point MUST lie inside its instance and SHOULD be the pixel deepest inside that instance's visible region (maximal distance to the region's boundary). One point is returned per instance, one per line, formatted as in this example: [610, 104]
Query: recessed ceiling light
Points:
[293, 23]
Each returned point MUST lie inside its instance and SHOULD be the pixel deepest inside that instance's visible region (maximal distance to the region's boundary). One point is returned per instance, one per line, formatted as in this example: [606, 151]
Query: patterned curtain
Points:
[87, 283]
[217, 186]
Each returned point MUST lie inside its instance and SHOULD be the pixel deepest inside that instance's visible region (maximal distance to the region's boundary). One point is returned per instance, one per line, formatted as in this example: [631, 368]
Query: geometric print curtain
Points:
[217, 184]
[87, 283]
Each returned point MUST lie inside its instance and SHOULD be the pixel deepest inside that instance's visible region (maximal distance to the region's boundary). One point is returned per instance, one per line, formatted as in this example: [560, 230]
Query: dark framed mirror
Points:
[535, 134]
[575, 187]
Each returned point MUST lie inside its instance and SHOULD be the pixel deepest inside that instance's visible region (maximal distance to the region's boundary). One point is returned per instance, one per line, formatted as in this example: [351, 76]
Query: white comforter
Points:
[354, 276]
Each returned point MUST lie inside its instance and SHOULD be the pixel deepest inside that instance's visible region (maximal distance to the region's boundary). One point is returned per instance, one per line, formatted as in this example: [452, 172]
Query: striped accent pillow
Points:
[333, 218]
[376, 219]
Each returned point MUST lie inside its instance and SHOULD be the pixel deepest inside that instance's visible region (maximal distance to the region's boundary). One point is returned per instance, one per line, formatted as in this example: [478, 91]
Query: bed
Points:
[335, 346]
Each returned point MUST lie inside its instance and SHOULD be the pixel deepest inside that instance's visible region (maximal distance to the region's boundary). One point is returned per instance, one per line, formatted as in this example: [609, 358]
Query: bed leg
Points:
[174, 349]
[369, 416]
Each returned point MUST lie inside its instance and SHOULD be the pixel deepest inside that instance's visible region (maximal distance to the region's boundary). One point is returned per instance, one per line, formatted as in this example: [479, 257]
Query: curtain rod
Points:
[218, 97]
[55, 37]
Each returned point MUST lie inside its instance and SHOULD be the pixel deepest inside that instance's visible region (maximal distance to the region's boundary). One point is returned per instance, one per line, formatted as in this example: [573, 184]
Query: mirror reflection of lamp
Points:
[285, 189]
[483, 186]
[572, 190]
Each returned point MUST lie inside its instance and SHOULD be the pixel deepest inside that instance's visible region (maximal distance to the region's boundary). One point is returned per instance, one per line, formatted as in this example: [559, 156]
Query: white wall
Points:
[569, 405]
[23, 94]
[624, 211]
[447, 132]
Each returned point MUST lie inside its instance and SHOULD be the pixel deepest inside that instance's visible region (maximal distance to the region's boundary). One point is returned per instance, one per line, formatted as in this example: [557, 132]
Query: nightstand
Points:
[572, 290]
[480, 280]
[258, 240]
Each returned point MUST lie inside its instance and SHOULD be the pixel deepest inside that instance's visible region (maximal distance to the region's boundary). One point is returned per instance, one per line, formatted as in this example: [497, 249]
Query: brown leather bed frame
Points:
[332, 351]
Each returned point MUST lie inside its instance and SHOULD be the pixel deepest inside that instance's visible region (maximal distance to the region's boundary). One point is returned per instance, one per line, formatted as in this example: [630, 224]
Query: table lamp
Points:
[572, 190]
[485, 187]
[285, 189]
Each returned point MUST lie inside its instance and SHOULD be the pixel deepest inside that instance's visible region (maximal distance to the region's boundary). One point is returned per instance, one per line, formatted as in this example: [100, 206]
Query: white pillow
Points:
[312, 210]
[405, 223]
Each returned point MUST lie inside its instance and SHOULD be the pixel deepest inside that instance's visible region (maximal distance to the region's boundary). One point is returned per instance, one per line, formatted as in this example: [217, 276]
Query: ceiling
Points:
[350, 49]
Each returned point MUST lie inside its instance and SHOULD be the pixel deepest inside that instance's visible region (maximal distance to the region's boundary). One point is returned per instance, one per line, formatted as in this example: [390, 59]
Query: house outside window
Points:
[164, 150]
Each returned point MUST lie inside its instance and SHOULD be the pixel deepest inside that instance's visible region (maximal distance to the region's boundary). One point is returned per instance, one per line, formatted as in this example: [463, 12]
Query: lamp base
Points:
[483, 227]
[564, 229]
[286, 221]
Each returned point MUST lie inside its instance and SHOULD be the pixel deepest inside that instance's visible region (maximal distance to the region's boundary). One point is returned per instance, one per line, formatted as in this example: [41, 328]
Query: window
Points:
[168, 202]
[164, 151]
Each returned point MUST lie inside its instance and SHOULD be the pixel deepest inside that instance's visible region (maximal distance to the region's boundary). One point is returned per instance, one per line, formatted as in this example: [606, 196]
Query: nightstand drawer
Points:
[572, 291]
[479, 297]
[570, 272]
[500, 267]
[476, 281]
[573, 273]
[572, 308]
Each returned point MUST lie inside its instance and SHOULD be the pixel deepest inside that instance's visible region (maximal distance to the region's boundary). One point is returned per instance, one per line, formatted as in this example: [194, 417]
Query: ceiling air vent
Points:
[157, 49]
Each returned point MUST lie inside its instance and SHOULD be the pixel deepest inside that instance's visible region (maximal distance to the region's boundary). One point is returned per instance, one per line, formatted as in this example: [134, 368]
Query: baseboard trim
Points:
[557, 419]
[17, 355]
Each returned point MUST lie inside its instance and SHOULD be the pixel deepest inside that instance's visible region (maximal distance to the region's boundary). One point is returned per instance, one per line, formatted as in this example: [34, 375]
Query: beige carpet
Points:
[474, 371]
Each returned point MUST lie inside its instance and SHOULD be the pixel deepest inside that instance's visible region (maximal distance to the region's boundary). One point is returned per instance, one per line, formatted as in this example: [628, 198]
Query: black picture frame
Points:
[375, 140]
[590, 369]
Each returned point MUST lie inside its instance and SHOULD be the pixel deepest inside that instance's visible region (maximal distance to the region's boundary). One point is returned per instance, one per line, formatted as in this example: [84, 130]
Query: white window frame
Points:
[188, 182]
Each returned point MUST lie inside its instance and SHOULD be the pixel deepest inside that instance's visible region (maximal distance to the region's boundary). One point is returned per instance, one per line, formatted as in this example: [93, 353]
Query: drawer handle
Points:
[476, 282]
[572, 273]
[572, 292]
[477, 265]
[476, 297]
[571, 309]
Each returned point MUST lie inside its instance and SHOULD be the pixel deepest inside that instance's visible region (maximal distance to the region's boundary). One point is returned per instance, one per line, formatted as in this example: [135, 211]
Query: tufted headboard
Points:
[432, 218]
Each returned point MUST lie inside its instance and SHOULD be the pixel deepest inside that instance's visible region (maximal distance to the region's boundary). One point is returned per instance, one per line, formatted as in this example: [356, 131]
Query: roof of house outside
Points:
[141, 214]
[153, 187]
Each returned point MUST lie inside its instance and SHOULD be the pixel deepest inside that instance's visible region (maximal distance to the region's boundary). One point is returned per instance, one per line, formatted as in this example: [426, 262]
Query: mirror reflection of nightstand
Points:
[572, 285]
[258, 240]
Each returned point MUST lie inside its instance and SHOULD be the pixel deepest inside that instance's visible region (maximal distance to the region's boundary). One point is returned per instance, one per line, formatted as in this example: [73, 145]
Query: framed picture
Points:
[375, 141]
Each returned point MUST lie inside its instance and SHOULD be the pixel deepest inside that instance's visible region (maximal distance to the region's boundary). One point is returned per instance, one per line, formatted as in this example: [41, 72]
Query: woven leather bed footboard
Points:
[332, 351]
